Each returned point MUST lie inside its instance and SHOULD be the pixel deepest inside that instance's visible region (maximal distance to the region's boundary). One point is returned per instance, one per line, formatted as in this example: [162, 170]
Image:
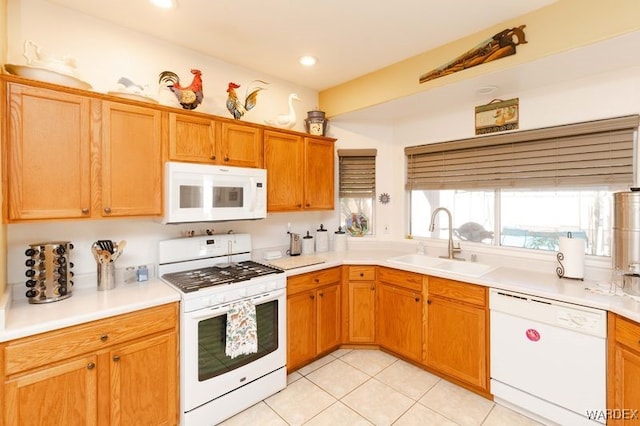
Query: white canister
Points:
[322, 239]
[340, 240]
[307, 244]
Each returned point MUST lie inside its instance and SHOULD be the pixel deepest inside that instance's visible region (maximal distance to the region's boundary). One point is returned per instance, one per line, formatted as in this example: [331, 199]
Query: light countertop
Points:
[85, 304]
[88, 304]
[542, 284]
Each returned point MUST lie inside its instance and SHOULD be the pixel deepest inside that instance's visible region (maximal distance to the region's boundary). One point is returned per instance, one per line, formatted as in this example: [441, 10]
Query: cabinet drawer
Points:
[405, 279]
[35, 351]
[312, 280]
[362, 273]
[628, 333]
[463, 292]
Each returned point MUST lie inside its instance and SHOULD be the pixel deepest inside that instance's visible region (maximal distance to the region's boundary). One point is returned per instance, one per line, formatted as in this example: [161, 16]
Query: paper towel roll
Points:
[571, 257]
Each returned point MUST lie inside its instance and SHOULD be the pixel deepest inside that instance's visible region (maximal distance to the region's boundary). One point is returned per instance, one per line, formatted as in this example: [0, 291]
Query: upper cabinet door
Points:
[242, 146]
[47, 154]
[192, 139]
[319, 174]
[283, 160]
[131, 151]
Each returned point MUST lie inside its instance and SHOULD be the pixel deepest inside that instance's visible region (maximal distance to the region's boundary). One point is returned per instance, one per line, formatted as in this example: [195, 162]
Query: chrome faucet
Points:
[452, 250]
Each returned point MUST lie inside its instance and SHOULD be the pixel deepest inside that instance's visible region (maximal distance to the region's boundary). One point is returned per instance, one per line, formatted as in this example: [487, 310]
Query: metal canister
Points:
[626, 236]
[48, 271]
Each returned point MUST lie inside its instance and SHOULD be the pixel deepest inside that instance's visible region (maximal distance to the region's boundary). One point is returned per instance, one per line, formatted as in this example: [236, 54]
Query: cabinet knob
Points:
[213, 157]
[312, 296]
[104, 337]
[308, 205]
[85, 211]
[321, 294]
[428, 302]
[116, 358]
[373, 287]
[417, 298]
[91, 366]
[317, 280]
[299, 206]
[361, 274]
[226, 158]
[107, 210]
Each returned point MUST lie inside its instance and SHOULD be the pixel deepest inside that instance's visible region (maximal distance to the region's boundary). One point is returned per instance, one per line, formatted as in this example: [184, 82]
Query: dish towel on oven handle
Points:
[242, 337]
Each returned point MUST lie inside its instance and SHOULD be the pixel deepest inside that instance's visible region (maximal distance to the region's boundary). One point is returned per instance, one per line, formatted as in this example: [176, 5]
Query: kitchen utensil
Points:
[322, 239]
[106, 245]
[295, 245]
[307, 244]
[118, 249]
[48, 271]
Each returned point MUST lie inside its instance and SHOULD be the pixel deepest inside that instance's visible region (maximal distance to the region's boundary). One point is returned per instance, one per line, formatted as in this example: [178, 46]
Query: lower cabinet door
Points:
[301, 329]
[456, 340]
[65, 394]
[626, 403]
[328, 318]
[143, 376]
[399, 320]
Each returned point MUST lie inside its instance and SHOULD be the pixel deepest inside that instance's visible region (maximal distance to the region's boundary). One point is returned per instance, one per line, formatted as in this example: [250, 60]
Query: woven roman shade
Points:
[357, 173]
[591, 153]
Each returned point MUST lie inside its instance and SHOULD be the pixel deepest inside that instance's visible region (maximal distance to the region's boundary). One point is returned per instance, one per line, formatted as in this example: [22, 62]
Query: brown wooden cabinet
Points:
[300, 172]
[623, 393]
[457, 331]
[201, 139]
[359, 324]
[192, 139]
[399, 318]
[131, 160]
[241, 146]
[47, 154]
[71, 156]
[121, 370]
[313, 316]
[318, 174]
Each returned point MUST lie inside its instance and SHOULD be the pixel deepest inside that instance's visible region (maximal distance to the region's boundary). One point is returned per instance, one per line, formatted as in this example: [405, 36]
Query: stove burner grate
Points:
[193, 280]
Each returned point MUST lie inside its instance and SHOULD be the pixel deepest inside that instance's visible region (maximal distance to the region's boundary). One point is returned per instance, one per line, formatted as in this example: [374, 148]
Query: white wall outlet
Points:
[386, 229]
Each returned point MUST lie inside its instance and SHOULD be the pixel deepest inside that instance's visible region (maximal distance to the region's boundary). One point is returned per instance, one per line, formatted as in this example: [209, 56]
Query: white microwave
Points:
[206, 193]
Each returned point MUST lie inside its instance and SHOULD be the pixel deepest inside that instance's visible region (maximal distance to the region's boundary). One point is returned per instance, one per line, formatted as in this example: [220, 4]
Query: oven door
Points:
[207, 372]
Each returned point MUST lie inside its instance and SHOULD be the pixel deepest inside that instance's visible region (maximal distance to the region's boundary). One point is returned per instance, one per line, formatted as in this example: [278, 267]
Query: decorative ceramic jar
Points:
[316, 123]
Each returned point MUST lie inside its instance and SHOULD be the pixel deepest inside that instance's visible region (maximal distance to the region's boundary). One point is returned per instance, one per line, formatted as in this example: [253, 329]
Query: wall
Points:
[559, 27]
[606, 95]
[3, 227]
[105, 52]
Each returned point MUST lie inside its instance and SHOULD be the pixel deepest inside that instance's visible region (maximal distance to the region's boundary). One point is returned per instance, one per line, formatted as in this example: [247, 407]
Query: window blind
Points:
[357, 173]
[597, 152]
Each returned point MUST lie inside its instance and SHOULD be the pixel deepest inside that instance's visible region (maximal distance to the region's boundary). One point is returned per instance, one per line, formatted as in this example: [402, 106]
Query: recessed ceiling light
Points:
[165, 4]
[308, 60]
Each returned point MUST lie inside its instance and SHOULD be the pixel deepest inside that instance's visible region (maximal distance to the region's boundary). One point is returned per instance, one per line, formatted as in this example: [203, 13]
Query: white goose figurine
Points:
[286, 121]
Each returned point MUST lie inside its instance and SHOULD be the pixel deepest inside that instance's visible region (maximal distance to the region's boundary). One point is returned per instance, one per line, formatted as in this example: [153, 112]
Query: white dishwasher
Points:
[548, 358]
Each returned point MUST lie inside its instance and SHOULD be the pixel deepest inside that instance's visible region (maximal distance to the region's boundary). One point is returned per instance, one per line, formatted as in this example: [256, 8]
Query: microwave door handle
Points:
[254, 198]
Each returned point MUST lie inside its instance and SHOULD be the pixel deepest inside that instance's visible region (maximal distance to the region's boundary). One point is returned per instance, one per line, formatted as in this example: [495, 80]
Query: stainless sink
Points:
[470, 269]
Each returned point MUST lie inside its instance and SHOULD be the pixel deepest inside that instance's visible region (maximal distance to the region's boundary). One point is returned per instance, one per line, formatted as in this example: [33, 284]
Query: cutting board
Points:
[296, 262]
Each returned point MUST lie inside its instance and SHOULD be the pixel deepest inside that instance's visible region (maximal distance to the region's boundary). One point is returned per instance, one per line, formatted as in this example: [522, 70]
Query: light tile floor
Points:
[371, 387]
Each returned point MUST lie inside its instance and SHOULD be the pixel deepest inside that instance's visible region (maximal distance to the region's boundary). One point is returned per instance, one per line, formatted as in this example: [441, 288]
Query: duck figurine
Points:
[286, 121]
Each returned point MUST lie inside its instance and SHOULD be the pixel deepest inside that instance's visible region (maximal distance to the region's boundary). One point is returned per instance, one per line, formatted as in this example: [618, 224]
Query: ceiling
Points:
[350, 38]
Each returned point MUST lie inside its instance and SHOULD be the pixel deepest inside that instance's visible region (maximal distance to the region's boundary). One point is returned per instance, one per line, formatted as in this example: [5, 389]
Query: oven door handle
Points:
[218, 310]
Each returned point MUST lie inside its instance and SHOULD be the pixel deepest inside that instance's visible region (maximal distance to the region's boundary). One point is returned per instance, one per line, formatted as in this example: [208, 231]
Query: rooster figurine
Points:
[235, 106]
[189, 97]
